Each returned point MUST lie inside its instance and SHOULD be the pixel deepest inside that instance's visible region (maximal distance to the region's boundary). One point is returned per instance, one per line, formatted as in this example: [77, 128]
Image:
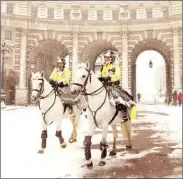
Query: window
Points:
[66, 14]
[50, 13]
[9, 8]
[133, 14]
[85, 15]
[8, 35]
[123, 15]
[165, 12]
[34, 11]
[115, 15]
[149, 13]
[100, 15]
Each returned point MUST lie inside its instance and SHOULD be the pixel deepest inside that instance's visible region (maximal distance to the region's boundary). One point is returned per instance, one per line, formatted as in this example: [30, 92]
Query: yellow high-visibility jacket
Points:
[61, 75]
[107, 71]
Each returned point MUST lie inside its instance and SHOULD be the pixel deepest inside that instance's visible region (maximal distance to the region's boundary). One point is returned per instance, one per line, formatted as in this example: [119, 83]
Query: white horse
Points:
[52, 109]
[99, 112]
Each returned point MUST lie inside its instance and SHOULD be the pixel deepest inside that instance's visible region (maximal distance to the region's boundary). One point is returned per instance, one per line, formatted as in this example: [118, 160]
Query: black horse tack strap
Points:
[95, 112]
[115, 114]
[44, 114]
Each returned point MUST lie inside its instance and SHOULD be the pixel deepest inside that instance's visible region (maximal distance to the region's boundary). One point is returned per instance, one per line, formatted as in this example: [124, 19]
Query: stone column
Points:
[74, 52]
[176, 59]
[22, 91]
[125, 60]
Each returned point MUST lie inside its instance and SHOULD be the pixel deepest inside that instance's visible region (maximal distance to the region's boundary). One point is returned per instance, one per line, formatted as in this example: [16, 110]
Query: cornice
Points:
[81, 23]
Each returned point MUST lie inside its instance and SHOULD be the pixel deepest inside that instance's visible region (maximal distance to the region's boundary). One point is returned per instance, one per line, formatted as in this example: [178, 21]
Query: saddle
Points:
[70, 99]
[118, 96]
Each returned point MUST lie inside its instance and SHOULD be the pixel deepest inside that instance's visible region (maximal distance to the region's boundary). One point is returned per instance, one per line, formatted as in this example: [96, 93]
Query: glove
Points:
[108, 78]
[61, 84]
[51, 82]
[101, 78]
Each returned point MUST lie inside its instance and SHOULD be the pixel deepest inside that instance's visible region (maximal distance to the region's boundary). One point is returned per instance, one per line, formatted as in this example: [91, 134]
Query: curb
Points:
[13, 108]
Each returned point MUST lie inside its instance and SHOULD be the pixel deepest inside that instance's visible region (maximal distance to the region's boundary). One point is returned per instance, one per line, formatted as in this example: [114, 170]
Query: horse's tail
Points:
[126, 129]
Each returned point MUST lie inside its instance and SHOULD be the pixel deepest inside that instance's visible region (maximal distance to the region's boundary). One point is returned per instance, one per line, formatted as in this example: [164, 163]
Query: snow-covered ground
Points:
[20, 141]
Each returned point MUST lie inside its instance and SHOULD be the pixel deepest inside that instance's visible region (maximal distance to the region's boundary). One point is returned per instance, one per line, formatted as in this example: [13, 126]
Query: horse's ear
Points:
[87, 65]
[42, 74]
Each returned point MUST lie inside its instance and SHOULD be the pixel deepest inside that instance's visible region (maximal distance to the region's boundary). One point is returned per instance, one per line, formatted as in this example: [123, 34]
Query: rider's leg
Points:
[126, 127]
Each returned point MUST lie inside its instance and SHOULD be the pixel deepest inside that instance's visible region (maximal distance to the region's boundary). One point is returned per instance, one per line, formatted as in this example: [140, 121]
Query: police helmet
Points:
[110, 54]
[60, 60]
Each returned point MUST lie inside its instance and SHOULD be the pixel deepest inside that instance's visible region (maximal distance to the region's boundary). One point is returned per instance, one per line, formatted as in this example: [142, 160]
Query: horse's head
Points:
[81, 77]
[37, 85]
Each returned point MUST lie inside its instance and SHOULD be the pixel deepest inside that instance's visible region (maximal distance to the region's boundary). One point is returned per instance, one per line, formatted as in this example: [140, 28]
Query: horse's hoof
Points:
[128, 146]
[112, 153]
[72, 140]
[63, 145]
[89, 165]
[41, 151]
[101, 163]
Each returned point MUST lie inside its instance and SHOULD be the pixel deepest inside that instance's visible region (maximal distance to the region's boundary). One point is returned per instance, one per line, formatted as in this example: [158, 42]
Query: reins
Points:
[40, 92]
[92, 94]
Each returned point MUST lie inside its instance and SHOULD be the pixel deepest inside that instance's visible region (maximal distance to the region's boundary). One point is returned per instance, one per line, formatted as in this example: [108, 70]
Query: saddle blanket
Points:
[116, 96]
[73, 99]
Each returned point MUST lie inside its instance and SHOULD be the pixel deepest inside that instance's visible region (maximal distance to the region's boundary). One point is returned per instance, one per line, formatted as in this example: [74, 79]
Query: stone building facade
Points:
[37, 32]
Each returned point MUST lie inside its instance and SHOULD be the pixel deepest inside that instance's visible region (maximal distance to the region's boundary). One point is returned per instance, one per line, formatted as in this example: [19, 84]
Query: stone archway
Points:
[43, 58]
[156, 45]
[93, 49]
[10, 82]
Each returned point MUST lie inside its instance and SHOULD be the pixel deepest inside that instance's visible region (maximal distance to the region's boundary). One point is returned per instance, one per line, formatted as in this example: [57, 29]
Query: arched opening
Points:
[93, 50]
[44, 57]
[151, 81]
[160, 47]
[100, 60]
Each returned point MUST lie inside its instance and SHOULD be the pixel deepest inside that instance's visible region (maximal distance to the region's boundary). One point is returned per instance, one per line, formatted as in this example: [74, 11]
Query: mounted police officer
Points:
[60, 78]
[110, 76]
[60, 75]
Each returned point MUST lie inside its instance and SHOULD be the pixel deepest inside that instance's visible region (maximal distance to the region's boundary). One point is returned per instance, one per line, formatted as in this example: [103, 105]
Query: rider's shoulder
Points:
[116, 65]
[66, 69]
[55, 68]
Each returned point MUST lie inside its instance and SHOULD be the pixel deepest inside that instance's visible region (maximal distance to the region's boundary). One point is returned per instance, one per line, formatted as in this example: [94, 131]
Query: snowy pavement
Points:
[157, 147]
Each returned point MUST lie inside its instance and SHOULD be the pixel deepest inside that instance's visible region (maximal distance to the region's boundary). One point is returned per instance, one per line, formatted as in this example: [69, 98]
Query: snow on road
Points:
[20, 141]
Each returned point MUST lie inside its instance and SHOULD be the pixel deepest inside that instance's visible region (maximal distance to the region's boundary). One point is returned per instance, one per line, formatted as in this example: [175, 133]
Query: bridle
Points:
[92, 94]
[41, 90]
[83, 86]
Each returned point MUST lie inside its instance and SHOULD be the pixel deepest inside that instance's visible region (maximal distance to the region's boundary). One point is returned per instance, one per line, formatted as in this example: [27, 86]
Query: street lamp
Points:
[150, 64]
[4, 50]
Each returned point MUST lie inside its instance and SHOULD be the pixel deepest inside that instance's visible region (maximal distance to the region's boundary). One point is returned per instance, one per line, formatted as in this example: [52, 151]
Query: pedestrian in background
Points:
[139, 96]
[174, 95]
[179, 97]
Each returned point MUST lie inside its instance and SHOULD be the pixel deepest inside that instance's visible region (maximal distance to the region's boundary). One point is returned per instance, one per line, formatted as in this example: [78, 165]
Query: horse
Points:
[99, 113]
[52, 110]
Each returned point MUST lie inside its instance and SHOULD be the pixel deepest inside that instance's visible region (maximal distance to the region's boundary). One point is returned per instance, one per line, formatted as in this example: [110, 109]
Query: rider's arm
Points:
[67, 75]
[99, 74]
[53, 74]
[117, 75]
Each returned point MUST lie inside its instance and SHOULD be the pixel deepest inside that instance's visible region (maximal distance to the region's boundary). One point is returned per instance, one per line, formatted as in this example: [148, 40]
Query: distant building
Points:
[38, 31]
